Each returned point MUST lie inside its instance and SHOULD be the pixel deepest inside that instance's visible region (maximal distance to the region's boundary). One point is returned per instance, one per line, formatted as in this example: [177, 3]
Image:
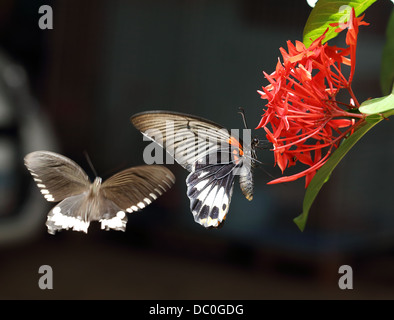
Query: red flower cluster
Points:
[306, 121]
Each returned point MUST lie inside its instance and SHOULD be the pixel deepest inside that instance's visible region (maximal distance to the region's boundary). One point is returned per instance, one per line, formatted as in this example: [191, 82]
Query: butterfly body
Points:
[61, 179]
[211, 154]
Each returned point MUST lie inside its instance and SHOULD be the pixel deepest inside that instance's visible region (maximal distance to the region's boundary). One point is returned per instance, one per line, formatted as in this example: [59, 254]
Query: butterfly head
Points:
[255, 142]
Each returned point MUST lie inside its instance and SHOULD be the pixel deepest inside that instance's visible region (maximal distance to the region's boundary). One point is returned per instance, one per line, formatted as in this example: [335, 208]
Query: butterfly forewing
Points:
[187, 138]
[135, 188]
[57, 177]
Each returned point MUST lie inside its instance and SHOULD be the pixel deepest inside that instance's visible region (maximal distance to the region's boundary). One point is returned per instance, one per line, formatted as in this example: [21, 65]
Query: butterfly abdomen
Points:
[246, 183]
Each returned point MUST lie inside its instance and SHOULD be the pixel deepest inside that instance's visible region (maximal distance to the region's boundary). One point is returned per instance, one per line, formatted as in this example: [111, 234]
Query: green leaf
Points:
[387, 66]
[383, 105]
[330, 11]
[324, 172]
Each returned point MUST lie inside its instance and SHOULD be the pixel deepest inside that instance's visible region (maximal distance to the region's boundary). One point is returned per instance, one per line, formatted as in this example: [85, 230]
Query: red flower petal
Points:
[306, 121]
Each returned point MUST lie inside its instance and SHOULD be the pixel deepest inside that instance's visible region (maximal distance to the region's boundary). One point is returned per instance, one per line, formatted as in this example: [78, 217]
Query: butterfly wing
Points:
[209, 188]
[57, 176]
[77, 211]
[68, 214]
[135, 188]
[185, 137]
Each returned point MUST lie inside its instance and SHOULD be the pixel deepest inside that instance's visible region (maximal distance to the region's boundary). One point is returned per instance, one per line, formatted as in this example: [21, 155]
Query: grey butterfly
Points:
[61, 179]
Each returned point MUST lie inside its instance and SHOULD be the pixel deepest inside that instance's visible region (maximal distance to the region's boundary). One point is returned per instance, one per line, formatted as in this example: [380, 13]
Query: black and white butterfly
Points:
[211, 154]
[61, 179]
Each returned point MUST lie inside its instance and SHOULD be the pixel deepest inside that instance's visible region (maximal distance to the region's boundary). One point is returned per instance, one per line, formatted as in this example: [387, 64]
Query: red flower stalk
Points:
[307, 123]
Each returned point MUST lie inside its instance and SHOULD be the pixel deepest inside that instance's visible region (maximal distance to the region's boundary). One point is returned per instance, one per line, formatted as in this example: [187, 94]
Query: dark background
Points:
[72, 89]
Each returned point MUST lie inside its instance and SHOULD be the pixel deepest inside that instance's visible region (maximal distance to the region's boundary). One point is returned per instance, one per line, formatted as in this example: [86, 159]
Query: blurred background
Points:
[73, 89]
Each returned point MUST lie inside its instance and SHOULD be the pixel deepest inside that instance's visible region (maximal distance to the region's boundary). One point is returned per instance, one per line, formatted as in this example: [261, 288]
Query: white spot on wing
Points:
[148, 201]
[224, 200]
[56, 210]
[62, 221]
[121, 214]
[117, 223]
[210, 199]
[209, 222]
[199, 186]
[153, 196]
[141, 205]
[158, 191]
[202, 174]
[203, 193]
[212, 222]
[49, 197]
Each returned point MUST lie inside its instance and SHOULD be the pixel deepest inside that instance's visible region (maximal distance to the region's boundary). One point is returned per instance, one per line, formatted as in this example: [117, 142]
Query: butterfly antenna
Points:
[90, 163]
[265, 145]
[260, 166]
[242, 113]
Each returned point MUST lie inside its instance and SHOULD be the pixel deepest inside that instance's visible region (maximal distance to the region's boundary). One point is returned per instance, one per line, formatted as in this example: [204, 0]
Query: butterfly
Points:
[61, 179]
[211, 154]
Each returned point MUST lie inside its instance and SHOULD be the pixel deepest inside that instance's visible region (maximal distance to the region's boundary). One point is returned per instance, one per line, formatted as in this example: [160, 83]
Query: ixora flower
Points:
[302, 118]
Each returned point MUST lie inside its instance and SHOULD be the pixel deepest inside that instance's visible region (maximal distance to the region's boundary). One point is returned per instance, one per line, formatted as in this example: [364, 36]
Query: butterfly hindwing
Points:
[56, 176]
[209, 188]
[68, 214]
[76, 213]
